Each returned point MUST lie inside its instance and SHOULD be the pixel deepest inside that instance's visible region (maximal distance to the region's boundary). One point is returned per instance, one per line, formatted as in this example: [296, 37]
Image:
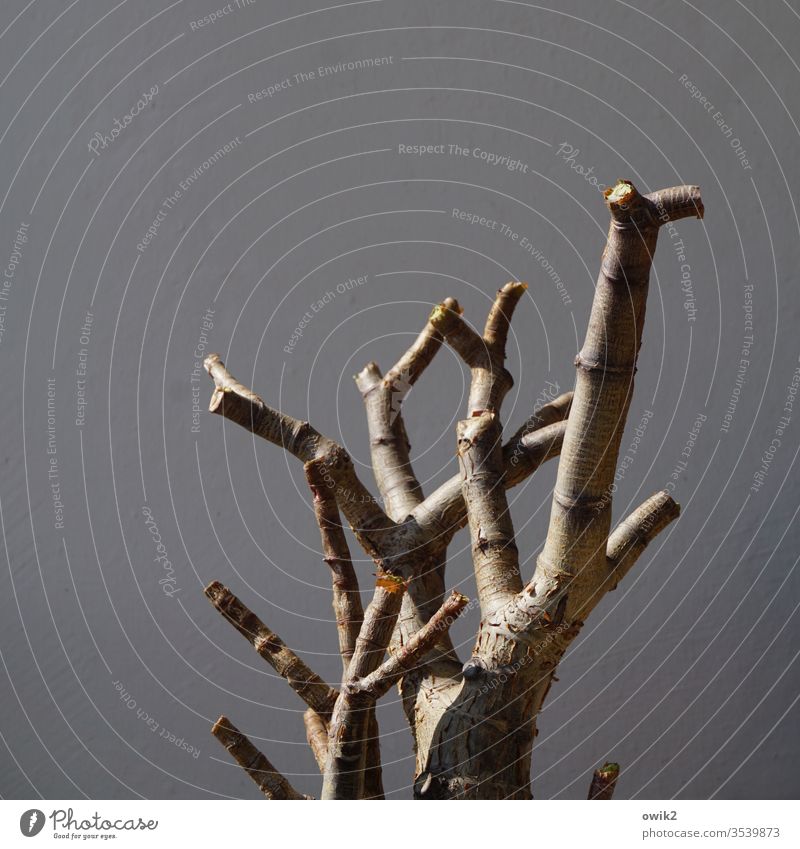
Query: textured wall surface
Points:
[294, 184]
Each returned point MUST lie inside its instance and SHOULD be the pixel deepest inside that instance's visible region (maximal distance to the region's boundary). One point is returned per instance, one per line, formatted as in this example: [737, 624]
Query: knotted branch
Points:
[270, 782]
[573, 571]
[306, 683]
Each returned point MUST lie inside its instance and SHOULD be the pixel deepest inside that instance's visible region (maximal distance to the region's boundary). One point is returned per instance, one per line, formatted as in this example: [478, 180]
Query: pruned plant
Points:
[473, 721]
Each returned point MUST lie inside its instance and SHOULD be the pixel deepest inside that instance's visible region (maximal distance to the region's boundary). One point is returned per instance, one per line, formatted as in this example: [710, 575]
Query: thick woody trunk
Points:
[481, 743]
[476, 741]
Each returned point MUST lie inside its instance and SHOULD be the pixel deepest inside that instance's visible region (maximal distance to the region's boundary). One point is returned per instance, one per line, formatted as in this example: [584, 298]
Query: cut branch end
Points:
[604, 781]
[306, 683]
[258, 767]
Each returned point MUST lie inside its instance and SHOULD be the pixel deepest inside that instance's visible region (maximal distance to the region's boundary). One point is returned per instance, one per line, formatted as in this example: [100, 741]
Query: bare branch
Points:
[443, 512]
[349, 619]
[389, 445]
[388, 441]
[498, 322]
[307, 684]
[633, 534]
[405, 658]
[270, 782]
[553, 412]
[604, 781]
[317, 736]
[373, 772]
[625, 545]
[346, 596]
[542, 596]
[484, 355]
[239, 404]
[575, 550]
[523, 457]
[419, 356]
[231, 399]
[494, 551]
[541, 606]
[348, 730]
[447, 318]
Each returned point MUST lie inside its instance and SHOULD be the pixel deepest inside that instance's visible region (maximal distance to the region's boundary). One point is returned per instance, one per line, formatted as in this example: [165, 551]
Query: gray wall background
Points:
[688, 674]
